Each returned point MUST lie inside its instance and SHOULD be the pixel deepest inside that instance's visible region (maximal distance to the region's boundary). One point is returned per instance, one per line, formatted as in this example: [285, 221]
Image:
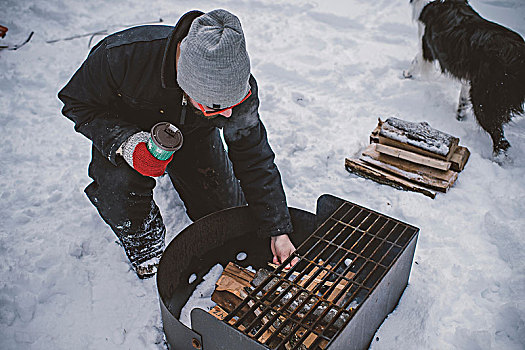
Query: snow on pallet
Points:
[411, 156]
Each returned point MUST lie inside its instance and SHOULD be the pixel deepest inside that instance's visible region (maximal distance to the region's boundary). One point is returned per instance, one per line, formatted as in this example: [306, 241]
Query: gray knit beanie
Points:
[213, 66]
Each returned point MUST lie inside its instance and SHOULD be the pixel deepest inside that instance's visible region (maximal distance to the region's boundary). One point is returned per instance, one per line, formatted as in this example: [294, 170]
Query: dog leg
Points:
[421, 64]
[464, 102]
[501, 146]
[489, 123]
[491, 115]
[414, 67]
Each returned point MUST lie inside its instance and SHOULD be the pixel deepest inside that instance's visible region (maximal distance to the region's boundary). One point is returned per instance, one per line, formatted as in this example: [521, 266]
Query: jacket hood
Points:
[168, 73]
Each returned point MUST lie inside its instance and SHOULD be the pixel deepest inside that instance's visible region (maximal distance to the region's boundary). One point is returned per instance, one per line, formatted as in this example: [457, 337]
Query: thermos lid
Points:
[166, 136]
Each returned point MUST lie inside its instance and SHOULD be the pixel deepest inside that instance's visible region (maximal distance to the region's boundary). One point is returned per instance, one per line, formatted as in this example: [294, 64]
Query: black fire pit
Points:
[353, 266]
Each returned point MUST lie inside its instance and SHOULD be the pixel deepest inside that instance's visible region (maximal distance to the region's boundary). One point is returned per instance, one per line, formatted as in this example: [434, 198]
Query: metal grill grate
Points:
[339, 265]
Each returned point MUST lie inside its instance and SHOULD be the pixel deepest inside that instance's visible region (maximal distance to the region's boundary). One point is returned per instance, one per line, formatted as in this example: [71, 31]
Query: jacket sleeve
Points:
[253, 164]
[88, 98]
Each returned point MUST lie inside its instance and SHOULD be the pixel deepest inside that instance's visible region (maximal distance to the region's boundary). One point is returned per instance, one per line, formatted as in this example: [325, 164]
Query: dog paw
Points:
[463, 108]
[502, 159]
[501, 155]
[461, 115]
[407, 74]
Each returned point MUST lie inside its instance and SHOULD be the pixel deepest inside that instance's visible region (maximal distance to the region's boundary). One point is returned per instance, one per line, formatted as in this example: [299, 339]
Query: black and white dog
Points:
[488, 58]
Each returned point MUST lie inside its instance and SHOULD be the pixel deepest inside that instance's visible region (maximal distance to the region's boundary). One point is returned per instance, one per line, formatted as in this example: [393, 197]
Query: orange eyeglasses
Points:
[209, 112]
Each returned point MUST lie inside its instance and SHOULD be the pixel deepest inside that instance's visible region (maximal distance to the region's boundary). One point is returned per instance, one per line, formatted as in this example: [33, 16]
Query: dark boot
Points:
[144, 247]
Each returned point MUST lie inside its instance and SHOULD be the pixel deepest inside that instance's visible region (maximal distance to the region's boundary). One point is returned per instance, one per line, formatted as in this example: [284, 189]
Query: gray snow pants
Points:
[201, 173]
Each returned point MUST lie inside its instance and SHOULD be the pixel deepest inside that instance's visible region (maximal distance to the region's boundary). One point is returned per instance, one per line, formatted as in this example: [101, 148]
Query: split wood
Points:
[230, 292]
[412, 157]
[435, 179]
[366, 170]
[318, 280]
[417, 137]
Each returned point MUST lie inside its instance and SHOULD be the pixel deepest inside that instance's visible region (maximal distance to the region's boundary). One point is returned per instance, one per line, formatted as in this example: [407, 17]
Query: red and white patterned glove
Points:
[136, 154]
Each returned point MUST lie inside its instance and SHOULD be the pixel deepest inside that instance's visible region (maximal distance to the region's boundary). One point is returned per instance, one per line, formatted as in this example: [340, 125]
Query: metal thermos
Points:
[165, 139]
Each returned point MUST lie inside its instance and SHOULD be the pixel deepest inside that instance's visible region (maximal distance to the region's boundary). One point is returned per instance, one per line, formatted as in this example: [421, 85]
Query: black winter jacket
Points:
[128, 84]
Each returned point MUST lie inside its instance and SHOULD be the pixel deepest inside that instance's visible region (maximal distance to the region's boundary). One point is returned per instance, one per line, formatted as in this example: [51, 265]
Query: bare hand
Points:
[282, 248]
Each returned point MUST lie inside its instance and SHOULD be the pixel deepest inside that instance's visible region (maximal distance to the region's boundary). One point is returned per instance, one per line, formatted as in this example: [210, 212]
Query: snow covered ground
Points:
[326, 71]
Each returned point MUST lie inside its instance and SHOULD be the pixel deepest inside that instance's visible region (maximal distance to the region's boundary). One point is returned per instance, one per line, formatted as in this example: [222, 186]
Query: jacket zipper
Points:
[183, 111]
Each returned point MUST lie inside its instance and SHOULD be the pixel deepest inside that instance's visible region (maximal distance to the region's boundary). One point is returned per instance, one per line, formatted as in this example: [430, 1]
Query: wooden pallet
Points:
[411, 156]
